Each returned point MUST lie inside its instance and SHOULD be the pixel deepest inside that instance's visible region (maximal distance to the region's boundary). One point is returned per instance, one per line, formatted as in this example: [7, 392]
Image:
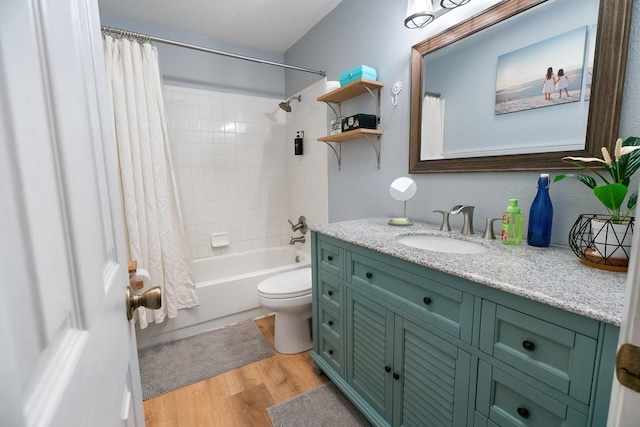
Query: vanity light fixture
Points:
[421, 13]
[452, 4]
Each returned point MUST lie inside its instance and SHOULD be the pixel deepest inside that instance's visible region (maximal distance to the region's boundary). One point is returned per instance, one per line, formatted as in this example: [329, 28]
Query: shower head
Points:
[285, 105]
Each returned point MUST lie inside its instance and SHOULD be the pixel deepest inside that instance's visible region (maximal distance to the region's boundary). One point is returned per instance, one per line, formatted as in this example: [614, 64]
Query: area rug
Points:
[168, 366]
[324, 406]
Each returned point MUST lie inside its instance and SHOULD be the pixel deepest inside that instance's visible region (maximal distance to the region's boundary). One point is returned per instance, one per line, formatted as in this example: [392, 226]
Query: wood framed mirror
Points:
[609, 62]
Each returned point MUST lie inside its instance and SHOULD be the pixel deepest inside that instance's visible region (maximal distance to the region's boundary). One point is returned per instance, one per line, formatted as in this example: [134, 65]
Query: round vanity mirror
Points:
[402, 189]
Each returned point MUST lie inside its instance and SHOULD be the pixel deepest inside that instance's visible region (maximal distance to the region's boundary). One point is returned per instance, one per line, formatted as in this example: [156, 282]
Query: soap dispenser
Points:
[512, 224]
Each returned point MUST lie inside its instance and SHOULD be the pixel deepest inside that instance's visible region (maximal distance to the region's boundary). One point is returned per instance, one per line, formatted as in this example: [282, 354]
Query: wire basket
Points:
[600, 243]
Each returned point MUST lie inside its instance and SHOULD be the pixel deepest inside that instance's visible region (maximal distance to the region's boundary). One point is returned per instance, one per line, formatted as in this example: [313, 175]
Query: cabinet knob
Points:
[330, 322]
[426, 300]
[330, 351]
[523, 412]
[387, 369]
[528, 345]
[329, 293]
[330, 258]
[369, 275]
[396, 376]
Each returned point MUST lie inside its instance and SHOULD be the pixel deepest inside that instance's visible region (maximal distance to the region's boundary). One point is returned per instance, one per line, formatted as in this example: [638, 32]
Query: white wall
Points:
[236, 167]
[230, 154]
[307, 183]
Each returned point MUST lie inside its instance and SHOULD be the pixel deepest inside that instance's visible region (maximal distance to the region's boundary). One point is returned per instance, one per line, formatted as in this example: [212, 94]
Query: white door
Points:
[623, 410]
[67, 351]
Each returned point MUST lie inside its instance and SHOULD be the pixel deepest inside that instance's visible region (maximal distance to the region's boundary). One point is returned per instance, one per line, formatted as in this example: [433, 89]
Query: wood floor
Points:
[239, 397]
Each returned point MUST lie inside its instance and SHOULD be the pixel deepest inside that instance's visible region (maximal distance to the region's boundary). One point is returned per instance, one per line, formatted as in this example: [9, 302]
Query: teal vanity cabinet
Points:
[412, 346]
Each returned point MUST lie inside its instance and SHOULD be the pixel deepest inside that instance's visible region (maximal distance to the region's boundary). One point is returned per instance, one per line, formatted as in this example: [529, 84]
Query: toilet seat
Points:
[292, 284]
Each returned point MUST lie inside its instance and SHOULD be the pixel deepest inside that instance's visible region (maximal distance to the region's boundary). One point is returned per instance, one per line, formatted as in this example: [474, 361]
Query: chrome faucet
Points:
[488, 229]
[296, 240]
[445, 221]
[467, 212]
[301, 225]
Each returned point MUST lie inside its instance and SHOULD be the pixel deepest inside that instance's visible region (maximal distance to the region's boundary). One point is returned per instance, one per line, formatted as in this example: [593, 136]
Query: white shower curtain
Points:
[150, 197]
[432, 144]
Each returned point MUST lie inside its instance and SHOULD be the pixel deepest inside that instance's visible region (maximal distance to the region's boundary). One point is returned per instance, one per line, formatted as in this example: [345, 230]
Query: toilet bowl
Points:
[289, 296]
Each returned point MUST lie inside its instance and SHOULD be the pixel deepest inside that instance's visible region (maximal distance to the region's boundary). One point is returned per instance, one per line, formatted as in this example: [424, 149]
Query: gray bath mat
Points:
[323, 406]
[169, 366]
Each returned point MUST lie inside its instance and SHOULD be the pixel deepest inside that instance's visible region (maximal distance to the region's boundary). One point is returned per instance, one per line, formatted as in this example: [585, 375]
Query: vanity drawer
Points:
[507, 401]
[331, 323]
[554, 355]
[330, 258]
[447, 308]
[330, 290]
[330, 351]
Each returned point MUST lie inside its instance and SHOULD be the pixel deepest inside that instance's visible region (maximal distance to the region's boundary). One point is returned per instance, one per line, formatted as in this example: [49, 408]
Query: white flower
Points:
[586, 159]
[606, 156]
[618, 151]
[628, 149]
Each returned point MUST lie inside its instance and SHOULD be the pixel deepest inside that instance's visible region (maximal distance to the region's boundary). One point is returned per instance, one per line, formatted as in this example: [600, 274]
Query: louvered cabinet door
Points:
[370, 352]
[433, 388]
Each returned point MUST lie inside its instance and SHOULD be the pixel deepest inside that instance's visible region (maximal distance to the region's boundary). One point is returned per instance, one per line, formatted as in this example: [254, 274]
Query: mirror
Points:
[402, 189]
[602, 109]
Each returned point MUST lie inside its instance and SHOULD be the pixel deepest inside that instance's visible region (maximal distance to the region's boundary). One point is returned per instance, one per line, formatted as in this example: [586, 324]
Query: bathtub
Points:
[227, 289]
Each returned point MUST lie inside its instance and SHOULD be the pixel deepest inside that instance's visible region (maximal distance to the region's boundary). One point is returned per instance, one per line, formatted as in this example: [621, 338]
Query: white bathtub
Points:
[227, 289]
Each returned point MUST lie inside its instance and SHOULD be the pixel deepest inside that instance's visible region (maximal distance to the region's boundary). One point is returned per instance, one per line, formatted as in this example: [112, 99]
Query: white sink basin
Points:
[442, 244]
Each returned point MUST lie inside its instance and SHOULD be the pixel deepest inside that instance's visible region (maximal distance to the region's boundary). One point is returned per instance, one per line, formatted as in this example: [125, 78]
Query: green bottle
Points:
[512, 224]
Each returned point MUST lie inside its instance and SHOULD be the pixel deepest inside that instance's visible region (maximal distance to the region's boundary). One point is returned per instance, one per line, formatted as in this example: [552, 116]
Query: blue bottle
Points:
[540, 215]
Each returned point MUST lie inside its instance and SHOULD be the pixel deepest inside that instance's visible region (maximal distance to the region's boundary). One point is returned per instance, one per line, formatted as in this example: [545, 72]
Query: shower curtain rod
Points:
[132, 34]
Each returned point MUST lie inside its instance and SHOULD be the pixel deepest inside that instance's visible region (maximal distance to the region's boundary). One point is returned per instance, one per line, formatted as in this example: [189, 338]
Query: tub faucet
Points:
[301, 225]
[296, 240]
[467, 212]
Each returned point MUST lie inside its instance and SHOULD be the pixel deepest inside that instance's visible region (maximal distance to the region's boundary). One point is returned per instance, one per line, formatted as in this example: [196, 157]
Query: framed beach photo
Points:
[591, 51]
[543, 74]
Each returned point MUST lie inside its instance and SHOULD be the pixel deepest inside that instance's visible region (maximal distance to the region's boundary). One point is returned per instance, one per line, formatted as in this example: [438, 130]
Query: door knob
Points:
[628, 366]
[151, 299]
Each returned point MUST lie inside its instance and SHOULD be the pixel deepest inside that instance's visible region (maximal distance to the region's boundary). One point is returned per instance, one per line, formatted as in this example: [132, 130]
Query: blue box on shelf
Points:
[360, 72]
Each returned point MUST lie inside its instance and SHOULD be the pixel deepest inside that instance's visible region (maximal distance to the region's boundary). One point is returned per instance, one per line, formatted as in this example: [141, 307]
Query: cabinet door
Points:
[433, 387]
[550, 353]
[369, 347]
[510, 402]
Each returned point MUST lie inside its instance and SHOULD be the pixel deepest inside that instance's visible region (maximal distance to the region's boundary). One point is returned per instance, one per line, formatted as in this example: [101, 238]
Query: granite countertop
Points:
[552, 275]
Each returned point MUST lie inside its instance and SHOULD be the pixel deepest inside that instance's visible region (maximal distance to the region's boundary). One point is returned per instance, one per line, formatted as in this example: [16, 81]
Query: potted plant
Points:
[611, 233]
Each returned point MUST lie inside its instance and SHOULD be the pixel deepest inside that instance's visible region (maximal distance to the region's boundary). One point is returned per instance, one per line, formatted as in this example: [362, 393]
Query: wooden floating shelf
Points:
[349, 135]
[351, 90]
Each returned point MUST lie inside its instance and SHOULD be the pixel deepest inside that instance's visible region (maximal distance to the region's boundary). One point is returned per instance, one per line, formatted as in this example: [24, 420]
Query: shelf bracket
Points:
[376, 147]
[376, 102]
[338, 154]
[334, 110]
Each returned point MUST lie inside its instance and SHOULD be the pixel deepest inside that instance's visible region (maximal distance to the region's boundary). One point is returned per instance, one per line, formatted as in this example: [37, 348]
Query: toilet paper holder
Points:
[135, 280]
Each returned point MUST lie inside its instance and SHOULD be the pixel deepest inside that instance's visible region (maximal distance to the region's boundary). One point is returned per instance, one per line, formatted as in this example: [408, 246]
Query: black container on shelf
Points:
[359, 121]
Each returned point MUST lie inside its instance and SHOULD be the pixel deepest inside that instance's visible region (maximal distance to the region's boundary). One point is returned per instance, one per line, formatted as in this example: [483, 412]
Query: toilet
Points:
[289, 296]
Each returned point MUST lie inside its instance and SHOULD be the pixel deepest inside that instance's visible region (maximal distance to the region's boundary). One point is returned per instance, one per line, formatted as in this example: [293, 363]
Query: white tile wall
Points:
[308, 184]
[236, 169]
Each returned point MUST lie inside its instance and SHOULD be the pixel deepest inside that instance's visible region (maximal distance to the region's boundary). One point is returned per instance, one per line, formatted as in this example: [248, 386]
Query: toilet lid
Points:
[290, 284]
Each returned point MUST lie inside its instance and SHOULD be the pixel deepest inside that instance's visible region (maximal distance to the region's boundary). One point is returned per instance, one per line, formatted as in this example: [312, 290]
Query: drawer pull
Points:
[528, 345]
[387, 369]
[330, 258]
[396, 376]
[523, 413]
[331, 352]
[329, 293]
[426, 300]
[330, 322]
[369, 275]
